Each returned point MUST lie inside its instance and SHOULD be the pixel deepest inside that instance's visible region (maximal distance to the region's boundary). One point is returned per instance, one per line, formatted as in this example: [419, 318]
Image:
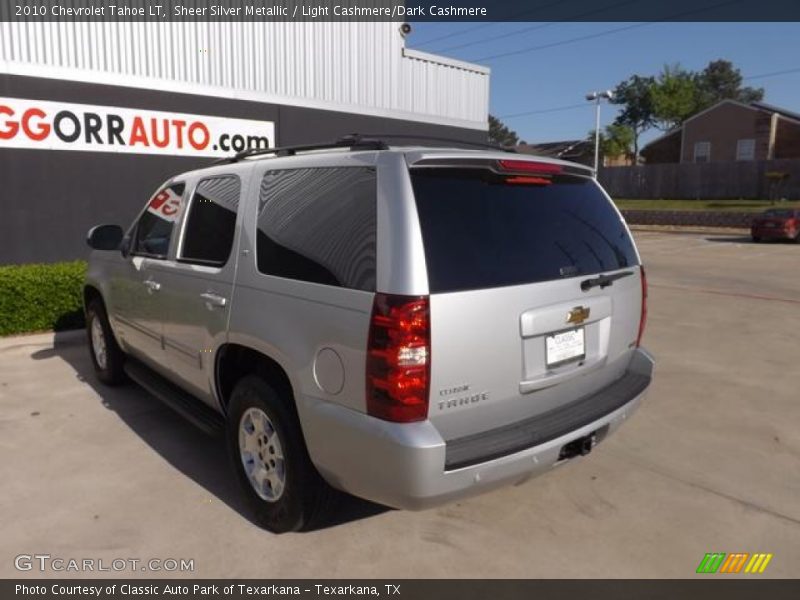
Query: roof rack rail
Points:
[366, 137]
[353, 143]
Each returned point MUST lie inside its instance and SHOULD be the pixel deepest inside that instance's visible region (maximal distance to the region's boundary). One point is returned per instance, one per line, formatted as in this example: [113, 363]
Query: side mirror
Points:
[104, 237]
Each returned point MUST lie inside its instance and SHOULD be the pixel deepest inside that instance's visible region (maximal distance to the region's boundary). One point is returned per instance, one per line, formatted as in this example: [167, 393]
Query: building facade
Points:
[730, 131]
[94, 116]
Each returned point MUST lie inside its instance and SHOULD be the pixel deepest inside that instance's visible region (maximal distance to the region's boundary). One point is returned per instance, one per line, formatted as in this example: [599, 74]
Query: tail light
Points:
[398, 358]
[643, 317]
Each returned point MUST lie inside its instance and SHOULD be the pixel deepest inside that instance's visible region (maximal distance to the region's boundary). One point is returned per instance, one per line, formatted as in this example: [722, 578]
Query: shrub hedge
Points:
[41, 297]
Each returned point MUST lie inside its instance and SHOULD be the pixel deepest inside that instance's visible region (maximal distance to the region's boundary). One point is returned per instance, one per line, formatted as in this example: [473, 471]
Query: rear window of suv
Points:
[482, 231]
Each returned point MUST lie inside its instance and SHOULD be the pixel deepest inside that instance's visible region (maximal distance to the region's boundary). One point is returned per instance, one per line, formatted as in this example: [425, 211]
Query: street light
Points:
[596, 97]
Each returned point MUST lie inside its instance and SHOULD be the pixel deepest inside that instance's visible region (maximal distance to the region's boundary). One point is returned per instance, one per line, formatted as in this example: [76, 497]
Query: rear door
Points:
[535, 291]
[197, 287]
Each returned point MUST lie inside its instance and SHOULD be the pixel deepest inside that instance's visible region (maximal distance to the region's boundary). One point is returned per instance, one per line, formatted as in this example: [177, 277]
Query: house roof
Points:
[760, 106]
[776, 109]
[559, 149]
[661, 138]
[717, 105]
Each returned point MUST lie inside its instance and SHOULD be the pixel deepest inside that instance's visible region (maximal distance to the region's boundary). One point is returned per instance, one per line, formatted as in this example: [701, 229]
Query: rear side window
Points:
[318, 225]
[482, 231]
[211, 222]
[154, 228]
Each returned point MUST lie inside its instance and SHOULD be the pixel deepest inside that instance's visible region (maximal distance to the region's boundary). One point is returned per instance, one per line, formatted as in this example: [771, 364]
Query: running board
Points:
[190, 408]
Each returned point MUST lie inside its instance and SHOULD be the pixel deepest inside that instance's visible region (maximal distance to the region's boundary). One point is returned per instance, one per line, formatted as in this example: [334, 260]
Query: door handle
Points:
[213, 300]
[152, 286]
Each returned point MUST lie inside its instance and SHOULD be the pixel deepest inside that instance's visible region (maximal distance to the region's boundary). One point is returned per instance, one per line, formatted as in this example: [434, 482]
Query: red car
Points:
[776, 224]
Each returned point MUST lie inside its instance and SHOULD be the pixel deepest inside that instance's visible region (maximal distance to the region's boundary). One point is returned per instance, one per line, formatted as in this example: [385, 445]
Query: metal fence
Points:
[765, 179]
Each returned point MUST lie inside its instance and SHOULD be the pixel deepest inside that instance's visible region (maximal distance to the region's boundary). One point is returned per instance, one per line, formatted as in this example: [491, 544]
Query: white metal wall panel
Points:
[355, 65]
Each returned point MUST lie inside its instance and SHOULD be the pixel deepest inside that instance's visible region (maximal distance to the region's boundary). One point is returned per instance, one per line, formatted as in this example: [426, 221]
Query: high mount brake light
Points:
[398, 358]
[643, 316]
[521, 180]
[527, 166]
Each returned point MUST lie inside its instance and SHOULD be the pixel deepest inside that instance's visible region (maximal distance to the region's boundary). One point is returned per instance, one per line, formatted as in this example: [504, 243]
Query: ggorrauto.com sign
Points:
[47, 125]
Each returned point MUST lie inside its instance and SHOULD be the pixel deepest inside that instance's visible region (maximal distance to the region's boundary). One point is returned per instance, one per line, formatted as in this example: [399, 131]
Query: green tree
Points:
[674, 96]
[720, 80]
[618, 141]
[500, 134]
[615, 140]
[635, 96]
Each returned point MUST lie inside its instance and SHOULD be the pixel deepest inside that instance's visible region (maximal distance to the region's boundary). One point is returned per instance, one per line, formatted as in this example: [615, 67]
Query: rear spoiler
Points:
[515, 166]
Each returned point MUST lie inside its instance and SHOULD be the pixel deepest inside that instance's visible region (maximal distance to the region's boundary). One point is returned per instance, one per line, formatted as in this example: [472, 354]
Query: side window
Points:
[318, 225]
[702, 152]
[211, 222]
[154, 229]
[746, 149]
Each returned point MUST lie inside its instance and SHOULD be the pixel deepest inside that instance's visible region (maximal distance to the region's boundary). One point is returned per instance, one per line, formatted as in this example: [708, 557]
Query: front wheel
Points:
[107, 357]
[272, 464]
[756, 239]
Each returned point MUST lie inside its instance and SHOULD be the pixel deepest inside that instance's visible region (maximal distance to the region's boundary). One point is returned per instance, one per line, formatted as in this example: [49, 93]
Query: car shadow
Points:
[202, 458]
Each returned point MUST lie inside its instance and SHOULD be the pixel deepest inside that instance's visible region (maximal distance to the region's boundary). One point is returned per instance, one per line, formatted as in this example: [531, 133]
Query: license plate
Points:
[564, 347]
[770, 225]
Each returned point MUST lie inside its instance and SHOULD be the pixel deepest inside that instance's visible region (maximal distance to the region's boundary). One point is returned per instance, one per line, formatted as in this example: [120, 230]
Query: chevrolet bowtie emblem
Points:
[578, 315]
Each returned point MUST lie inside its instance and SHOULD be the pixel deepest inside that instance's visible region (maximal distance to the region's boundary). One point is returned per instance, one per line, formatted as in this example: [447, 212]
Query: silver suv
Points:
[408, 324]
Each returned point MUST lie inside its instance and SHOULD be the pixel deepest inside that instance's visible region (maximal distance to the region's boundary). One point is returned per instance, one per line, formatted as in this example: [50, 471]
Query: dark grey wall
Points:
[49, 199]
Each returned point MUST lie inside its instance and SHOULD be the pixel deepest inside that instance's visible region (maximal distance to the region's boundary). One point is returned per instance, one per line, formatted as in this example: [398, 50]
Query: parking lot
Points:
[711, 463]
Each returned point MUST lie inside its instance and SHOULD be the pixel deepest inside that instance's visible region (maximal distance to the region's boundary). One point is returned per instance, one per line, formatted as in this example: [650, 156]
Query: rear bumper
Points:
[410, 466]
[773, 233]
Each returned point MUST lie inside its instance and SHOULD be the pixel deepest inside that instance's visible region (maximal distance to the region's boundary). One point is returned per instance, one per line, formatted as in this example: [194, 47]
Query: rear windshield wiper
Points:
[603, 281]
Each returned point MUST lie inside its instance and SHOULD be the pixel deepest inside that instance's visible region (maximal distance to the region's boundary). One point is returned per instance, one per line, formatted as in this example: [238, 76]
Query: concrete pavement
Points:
[711, 463]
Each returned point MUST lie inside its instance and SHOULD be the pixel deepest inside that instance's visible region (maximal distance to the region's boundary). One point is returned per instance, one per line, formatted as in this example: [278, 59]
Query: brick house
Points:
[729, 131]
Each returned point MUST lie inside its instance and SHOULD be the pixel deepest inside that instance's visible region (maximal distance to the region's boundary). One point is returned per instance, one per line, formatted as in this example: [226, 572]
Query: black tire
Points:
[756, 239]
[305, 498]
[112, 373]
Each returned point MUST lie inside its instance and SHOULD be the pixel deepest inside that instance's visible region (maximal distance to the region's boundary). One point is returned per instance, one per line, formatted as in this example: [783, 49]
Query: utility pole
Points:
[596, 97]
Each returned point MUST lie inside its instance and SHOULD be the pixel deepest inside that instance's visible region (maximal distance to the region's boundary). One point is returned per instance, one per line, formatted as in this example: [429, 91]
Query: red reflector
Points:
[398, 358]
[527, 166]
[528, 180]
[643, 317]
